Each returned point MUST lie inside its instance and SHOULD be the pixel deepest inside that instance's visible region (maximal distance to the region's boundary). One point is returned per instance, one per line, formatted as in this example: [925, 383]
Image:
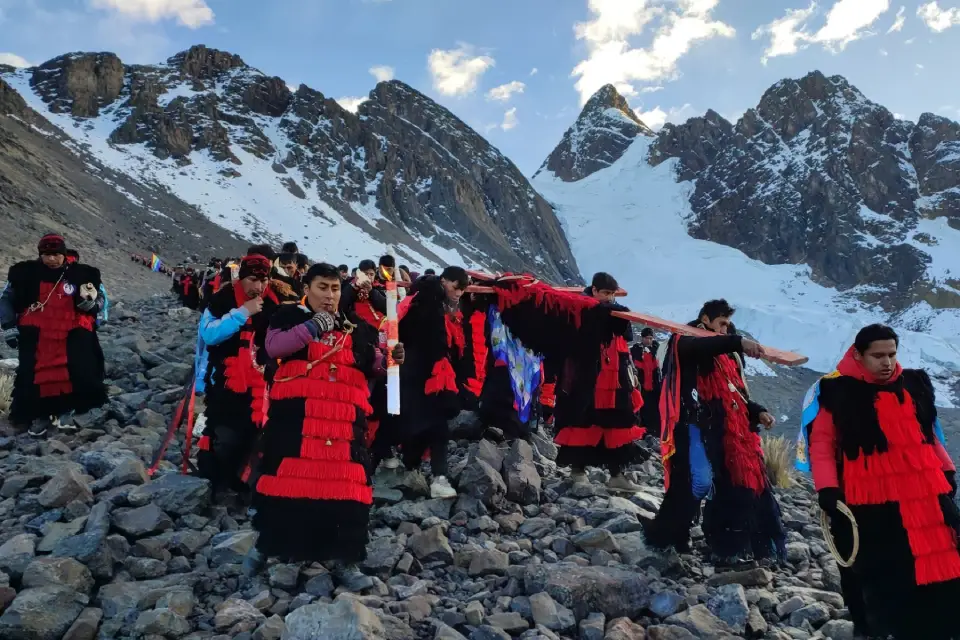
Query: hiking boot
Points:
[623, 484]
[579, 476]
[738, 561]
[441, 488]
[392, 463]
[39, 427]
[352, 579]
[253, 563]
[65, 423]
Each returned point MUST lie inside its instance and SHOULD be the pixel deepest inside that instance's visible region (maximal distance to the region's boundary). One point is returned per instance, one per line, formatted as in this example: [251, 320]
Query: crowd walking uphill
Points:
[546, 515]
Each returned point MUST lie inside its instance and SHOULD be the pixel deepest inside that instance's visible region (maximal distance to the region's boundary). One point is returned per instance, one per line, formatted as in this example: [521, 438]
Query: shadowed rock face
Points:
[425, 169]
[816, 174]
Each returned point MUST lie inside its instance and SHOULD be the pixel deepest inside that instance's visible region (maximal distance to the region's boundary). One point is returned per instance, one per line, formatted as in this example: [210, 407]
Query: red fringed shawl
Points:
[742, 451]
[336, 399]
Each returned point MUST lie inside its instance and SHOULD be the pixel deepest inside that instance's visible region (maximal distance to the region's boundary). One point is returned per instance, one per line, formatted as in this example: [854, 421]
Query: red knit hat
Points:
[52, 243]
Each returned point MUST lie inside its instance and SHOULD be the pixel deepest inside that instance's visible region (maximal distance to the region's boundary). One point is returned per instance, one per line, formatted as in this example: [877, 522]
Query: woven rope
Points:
[846, 563]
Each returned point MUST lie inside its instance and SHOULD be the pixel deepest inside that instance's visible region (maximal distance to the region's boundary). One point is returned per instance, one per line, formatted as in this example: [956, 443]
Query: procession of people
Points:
[292, 361]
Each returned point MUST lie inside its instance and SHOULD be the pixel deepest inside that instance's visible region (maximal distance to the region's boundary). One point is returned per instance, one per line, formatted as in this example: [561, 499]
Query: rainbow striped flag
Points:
[155, 262]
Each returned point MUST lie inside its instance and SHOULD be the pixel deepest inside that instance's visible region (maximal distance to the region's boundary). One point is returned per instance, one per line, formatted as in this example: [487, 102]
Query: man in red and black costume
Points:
[644, 356]
[432, 332]
[312, 489]
[873, 447]
[711, 448]
[190, 289]
[48, 311]
[597, 397]
[233, 329]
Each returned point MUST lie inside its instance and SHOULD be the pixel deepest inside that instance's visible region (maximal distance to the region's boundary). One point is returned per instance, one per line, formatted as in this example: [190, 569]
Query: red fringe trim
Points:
[314, 489]
[939, 567]
[743, 453]
[328, 429]
[318, 389]
[649, 366]
[545, 297]
[342, 373]
[636, 400]
[203, 444]
[474, 386]
[442, 378]
[455, 337]
[548, 394]
[319, 350]
[372, 427]
[335, 470]
[478, 339]
[592, 436]
[55, 389]
[336, 411]
[608, 380]
[324, 449]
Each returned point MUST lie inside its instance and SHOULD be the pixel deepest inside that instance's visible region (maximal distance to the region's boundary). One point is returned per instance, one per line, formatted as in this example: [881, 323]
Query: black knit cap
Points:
[647, 332]
[52, 244]
[255, 265]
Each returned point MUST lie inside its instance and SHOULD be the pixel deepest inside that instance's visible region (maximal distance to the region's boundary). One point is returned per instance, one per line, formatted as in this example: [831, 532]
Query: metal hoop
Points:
[825, 525]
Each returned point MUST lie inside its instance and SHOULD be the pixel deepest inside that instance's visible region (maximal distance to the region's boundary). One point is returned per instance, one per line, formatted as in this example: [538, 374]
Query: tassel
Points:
[442, 378]
[318, 449]
[328, 429]
[322, 470]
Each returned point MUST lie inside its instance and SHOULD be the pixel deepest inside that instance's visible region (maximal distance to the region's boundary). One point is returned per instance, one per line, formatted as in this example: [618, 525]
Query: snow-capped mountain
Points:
[816, 213]
[272, 164]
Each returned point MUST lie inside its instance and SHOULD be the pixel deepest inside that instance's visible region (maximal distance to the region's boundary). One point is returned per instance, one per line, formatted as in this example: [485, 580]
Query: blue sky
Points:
[518, 71]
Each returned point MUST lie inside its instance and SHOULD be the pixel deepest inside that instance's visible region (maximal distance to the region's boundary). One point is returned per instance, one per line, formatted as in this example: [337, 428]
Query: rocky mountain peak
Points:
[606, 127]
[818, 174]
[404, 170]
[202, 63]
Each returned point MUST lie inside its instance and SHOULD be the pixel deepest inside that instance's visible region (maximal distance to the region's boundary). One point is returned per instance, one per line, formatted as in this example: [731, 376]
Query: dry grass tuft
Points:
[6, 390]
[778, 453]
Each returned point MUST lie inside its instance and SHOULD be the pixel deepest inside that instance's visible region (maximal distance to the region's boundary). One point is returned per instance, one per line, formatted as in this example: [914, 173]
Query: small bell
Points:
[732, 388]
[329, 442]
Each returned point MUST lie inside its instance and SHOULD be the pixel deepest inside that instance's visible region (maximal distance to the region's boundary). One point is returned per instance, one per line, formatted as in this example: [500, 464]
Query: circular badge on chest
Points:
[69, 289]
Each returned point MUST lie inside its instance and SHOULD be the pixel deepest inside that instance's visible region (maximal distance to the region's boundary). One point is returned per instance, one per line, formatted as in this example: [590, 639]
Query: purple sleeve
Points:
[281, 344]
[379, 364]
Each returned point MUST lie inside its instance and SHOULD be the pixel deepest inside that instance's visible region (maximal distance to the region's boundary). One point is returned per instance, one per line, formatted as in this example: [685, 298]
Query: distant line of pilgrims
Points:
[291, 360]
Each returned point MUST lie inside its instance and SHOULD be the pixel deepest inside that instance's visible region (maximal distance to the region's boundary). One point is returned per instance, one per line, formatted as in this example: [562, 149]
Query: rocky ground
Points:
[91, 547]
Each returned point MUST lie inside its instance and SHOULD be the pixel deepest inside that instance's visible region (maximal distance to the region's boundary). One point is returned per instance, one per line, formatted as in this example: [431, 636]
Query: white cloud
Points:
[657, 117]
[382, 73]
[919, 66]
[884, 52]
[899, 21]
[612, 59]
[910, 41]
[350, 103]
[14, 60]
[938, 19]
[786, 35]
[534, 71]
[651, 89]
[456, 71]
[189, 13]
[509, 119]
[506, 91]
[846, 21]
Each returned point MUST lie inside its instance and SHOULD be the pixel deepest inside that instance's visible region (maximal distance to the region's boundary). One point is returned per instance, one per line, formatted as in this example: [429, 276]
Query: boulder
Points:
[431, 545]
[521, 475]
[548, 612]
[42, 613]
[17, 553]
[64, 572]
[173, 493]
[65, 487]
[480, 480]
[141, 521]
[614, 592]
[161, 622]
[730, 605]
[345, 619]
[700, 622]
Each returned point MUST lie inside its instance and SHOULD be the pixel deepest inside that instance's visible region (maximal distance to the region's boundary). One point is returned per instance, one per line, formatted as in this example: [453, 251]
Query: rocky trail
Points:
[91, 547]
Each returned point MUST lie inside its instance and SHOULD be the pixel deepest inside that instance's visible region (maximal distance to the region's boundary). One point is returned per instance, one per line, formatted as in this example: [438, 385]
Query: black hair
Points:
[366, 265]
[287, 257]
[321, 270]
[457, 275]
[871, 333]
[344, 267]
[404, 267]
[289, 247]
[388, 261]
[262, 250]
[647, 331]
[731, 329]
[604, 281]
[714, 309]
[72, 253]
[429, 272]
[302, 260]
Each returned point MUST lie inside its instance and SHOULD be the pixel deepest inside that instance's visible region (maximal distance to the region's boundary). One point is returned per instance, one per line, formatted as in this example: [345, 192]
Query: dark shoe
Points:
[740, 561]
[253, 563]
[352, 579]
[39, 427]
